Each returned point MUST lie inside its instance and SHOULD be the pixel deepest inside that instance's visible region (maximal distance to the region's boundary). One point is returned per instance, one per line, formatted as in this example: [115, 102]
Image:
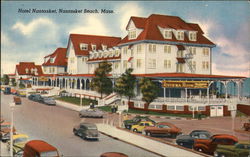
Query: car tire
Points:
[127, 127]
[74, 131]
[135, 130]
[148, 133]
[199, 150]
[222, 155]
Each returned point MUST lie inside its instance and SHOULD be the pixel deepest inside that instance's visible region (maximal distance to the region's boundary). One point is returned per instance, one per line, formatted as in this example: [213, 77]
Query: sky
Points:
[31, 36]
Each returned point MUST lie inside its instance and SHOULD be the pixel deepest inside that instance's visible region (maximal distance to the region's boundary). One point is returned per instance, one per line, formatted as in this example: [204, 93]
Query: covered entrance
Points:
[216, 110]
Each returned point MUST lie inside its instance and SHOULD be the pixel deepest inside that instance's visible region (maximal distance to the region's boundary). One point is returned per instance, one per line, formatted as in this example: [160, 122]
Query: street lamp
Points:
[233, 109]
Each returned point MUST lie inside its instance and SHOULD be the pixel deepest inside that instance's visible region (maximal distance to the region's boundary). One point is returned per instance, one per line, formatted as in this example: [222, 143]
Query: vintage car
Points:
[128, 123]
[246, 126]
[19, 141]
[162, 129]
[93, 113]
[208, 146]
[39, 148]
[113, 154]
[21, 93]
[188, 140]
[48, 101]
[86, 131]
[240, 149]
[141, 125]
[35, 97]
[17, 100]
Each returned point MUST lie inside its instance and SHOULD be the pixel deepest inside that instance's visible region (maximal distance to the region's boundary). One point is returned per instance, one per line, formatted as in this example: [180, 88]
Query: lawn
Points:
[75, 100]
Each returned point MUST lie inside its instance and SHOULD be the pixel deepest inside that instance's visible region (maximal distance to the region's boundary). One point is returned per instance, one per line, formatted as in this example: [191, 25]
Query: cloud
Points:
[127, 10]
[90, 24]
[5, 40]
[36, 24]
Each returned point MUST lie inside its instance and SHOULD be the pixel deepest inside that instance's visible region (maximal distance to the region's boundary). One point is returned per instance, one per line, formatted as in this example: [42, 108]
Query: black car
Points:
[86, 131]
[128, 123]
[35, 97]
[188, 140]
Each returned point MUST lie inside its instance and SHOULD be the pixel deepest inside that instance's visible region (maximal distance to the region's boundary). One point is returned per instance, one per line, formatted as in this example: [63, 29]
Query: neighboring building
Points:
[26, 70]
[55, 63]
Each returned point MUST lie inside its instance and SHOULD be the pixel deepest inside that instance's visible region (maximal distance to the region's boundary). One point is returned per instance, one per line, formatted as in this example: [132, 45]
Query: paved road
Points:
[54, 125]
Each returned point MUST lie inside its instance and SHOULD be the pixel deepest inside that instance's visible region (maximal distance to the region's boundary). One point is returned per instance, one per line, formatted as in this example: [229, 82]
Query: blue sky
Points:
[31, 36]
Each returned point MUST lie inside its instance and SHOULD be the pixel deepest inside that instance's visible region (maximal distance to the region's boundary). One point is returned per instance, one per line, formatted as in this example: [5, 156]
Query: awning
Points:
[181, 60]
[180, 47]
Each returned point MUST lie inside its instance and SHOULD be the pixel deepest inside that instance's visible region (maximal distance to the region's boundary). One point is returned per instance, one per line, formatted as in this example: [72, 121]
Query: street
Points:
[54, 124]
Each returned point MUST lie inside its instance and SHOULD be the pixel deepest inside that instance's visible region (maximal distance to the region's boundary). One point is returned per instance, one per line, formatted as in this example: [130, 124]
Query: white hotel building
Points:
[161, 47]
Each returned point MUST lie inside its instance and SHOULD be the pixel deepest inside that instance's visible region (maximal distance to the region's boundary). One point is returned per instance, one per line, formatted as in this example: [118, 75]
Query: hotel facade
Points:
[171, 52]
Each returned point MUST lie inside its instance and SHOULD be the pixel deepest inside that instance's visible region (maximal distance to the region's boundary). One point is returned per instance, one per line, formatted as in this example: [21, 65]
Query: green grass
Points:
[240, 114]
[105, 108]
[76, 101]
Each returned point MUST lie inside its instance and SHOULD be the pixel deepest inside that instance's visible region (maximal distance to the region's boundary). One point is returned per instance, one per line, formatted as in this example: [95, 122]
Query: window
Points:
[139, 50]
[27, 70]
[168, 34]
[180, 35]
[125, 50]
[167, 64]
[192, 50]
[83, 46]
[125, 64]
[152, 63]
[132, 34]
[205, 65]
[167, 49]
[192, 36]
[205, 51]
[116, 65]
[170, 107]
[180, 53]
[116, 52]
[138, 63]
[93, 47]
[180, 108]
[193, 65]
[52, 60]
[104, 47]
[152, 48]
[180, 68]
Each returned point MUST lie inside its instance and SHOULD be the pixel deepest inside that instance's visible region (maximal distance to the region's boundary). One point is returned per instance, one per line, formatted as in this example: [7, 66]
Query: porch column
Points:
[186, 94]
[238, 90]
[208, 99]
[164, 95]
[200, 93]
[225, 84]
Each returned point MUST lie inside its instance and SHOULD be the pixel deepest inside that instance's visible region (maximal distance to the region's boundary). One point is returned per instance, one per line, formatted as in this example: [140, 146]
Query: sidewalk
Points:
[145, 142]
[70, 106]
[4, 152]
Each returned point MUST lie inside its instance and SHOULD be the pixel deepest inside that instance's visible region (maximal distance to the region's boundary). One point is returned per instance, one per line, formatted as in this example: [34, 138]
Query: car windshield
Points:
[163, 126]
[5, 126]
[47, 98]
[19, 140]
[49, 154]
[92, 127]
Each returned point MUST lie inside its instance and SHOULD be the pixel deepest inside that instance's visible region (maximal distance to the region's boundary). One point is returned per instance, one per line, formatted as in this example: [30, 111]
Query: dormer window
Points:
[93, 47]
[132, 34]
[83, 46]
[27, 70]
[52, 60]
[192, 36]
[104, 47]
[168, 34]
[180, 35]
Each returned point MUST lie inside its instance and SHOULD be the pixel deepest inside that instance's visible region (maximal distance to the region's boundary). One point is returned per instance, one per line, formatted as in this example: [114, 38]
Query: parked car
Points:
[141, 125]
[13, 91]
[40, 149]
[17, 100]
[113, 154]
[21, 93]
[35, 97]
[19, 141]
[188, 140]
[162, 129]
[7, 90]
[48, 100]
[94, 113]
[208, 146]
[241, 149]
[5, 127]
[86, 131]
[246, 126]
[128, 123]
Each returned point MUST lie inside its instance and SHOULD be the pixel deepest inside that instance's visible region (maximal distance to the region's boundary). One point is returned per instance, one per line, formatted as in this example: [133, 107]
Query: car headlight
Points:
[216, 154]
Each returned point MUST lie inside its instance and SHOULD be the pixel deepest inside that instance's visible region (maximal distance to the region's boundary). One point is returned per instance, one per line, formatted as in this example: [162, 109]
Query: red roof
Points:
[151, 31]
[92, 39]
[60, 58]
[185, 75]
[22, 66]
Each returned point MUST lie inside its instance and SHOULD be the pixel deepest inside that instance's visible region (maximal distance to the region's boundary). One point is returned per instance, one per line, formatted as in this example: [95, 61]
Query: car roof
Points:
[5, 123]
[88, 124]
[20, 136]
[40, 146]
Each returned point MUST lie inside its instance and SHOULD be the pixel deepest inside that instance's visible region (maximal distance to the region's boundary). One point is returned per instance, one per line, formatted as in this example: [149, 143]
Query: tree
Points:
[13, 82]
[101, 83]
[5, 80]
[21, 85]
[125, 84]
[149, 90]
